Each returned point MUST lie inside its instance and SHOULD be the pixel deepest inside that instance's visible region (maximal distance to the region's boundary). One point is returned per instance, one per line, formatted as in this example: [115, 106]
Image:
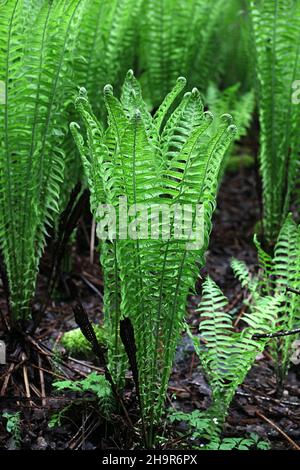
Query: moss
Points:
[76, 344]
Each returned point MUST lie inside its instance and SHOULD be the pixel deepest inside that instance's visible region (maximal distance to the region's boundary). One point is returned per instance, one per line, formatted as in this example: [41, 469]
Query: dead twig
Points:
[25, 377]
[50, 372]
[242, 311]
[6, 380]
[271, 423]
[279, 334]
[42, 381]
[269, 399]
[294, 291]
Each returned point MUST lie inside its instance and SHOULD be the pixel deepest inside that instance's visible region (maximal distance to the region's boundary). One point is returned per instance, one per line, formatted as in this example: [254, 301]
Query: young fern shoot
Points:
[158, 164]
[279, 275]
[226, 355]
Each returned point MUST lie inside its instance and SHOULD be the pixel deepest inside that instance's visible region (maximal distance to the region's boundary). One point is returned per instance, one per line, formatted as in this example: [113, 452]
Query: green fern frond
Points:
[242, 273]
[277, 275]
[105, 46]
[227, 356]
[178, 37]
[276, 31]
[160, 160]
[241, 107]
[286, 274]
[36, 53]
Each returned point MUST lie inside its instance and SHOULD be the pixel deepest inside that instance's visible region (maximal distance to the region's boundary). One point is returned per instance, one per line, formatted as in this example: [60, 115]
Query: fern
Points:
[276, 32]
[13, 427]
[35, 67]
[286, 273]
[92, 383]
[179, 37]
[104, 50]
[277, 275]
[105, 46]
[199, 424]
[240, 107]
[227, 356]
[235, 54]
[151, 160]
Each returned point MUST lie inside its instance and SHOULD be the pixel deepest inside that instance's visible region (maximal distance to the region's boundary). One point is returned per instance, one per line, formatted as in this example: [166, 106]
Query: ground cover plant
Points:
[149, 224]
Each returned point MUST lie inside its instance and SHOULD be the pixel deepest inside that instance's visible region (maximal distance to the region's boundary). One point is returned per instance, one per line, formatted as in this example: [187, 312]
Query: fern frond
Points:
[153, 162]
[227, 356]
[178, 38]
[286, 274]
[242, 273]
[35, 55]
[276, 30]
[277, 275]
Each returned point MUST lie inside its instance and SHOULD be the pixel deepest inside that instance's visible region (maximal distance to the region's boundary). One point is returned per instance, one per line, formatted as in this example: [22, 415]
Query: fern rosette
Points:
[153, 162]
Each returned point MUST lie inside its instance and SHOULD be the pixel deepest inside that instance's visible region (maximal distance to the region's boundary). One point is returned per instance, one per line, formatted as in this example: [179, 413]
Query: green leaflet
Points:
[161, 160]
[276, 32]
[35, 66]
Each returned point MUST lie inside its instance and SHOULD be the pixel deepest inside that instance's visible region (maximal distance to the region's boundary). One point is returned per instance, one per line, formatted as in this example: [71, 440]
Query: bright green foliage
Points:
[179, 37]
[13, 427]
[235, 52]
[286, 271]
[36, 45]
[241, 108]
[277, 274]
[93, 383]
[76, 344]
[105, 46]
[151, 160]
[199, 425]
[227, 356]
[276, 31]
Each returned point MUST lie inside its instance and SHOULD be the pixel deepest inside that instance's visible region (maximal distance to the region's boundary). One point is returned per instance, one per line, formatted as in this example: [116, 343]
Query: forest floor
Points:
[26, 387]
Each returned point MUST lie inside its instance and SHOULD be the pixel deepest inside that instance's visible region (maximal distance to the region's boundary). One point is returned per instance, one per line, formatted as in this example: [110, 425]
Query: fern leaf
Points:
[36, 69]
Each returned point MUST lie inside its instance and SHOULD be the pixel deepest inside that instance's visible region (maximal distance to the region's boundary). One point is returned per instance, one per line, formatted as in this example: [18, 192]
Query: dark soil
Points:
[234, 224]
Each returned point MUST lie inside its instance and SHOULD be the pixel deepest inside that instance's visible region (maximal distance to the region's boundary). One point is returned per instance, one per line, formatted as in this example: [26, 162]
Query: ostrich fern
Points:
[105, 46]
[161, 159]
[276, 31]
[278, 274]
[227, 356]
[35, 56]
[104, 51]
[178, 37]
[241, 109]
